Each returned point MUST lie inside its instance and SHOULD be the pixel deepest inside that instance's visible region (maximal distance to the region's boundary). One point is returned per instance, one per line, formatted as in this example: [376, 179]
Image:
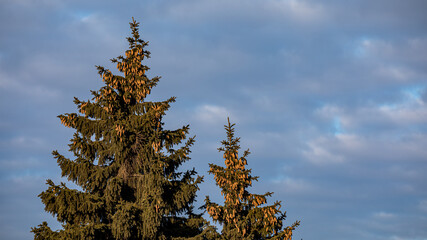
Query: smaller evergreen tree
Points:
[242, 216]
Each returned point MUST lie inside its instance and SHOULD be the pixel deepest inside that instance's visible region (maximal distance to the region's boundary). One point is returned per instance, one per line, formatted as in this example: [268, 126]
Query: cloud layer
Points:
[330, 97]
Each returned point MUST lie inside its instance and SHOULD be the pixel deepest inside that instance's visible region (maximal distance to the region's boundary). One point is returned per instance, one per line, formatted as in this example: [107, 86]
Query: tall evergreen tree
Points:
[242, 216]
[125, 163]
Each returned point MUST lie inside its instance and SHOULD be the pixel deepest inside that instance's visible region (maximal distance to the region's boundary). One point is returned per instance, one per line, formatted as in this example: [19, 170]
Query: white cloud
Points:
[408, 50]
[395, 73]
[361, 48]
[408, 111]
[24, 143]
[35, 91]
[281, 51]
[422, 205]
[391, 60]
[319, 153]
[383, 215]
[298, 11]
[212, 114]
[293, 185]
[84, 16]
[32, 3]
[412, 110]
[340, 148]
[328, 111]
[400, 171]
[19, 163]
[394, 237]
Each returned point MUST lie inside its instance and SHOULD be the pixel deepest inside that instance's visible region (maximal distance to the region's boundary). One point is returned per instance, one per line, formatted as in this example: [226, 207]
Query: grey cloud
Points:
[287, 72]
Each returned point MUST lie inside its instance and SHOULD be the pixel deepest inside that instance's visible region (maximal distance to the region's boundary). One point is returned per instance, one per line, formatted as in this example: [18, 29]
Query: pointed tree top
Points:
[135, 39]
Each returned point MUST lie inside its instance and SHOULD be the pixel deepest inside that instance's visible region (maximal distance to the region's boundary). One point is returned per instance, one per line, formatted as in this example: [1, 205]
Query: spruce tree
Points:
[125, 163]
[242, 216]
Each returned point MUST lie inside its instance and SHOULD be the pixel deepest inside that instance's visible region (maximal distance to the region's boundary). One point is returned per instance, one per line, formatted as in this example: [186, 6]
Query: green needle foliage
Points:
[125, 163]
[242, 216]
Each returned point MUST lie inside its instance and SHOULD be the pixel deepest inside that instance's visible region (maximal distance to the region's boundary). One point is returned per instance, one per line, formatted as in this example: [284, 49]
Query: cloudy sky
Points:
[329, 96]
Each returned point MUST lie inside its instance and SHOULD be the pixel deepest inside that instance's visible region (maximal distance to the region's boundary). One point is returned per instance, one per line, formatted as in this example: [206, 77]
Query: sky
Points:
[329, 96]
